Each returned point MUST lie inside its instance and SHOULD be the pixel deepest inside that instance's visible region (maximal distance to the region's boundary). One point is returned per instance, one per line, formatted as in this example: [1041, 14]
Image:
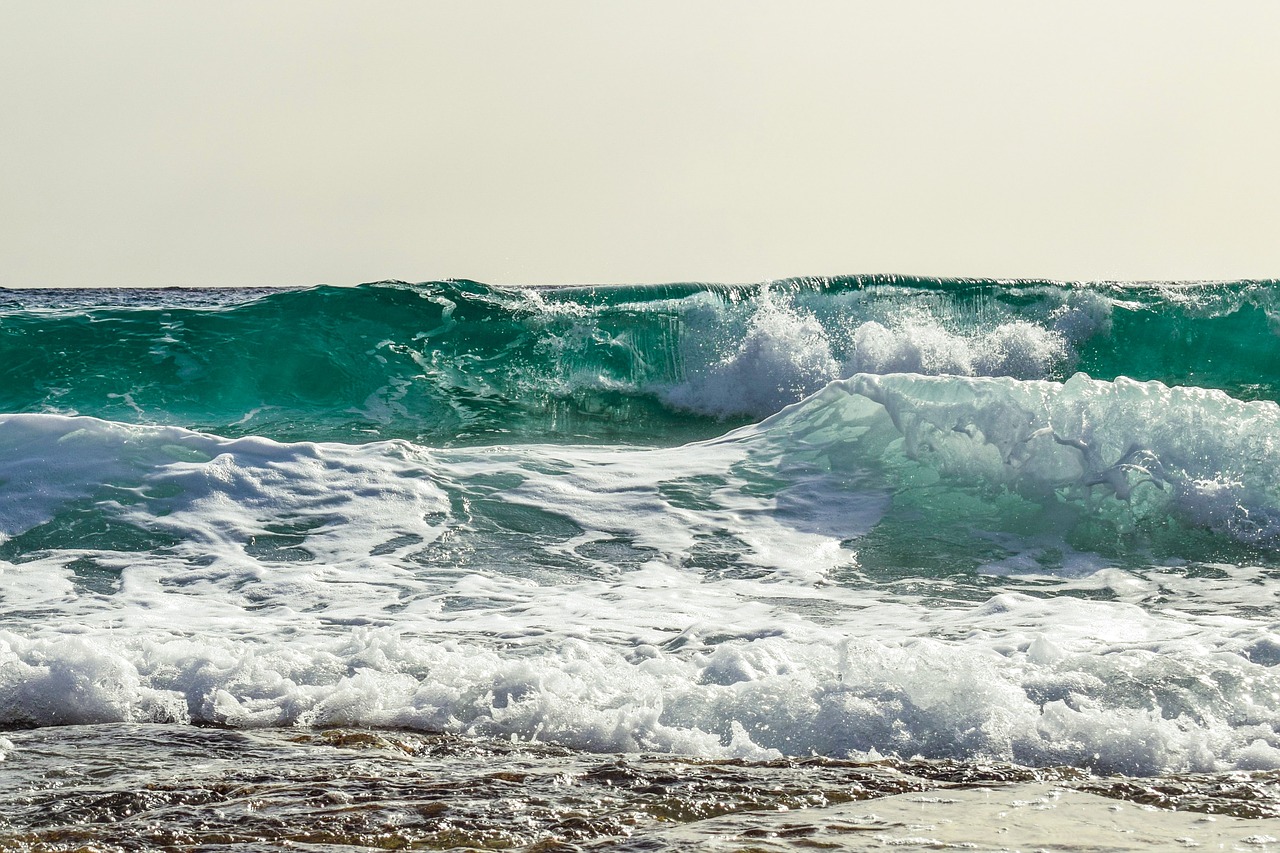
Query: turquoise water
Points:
[445, 363]
[1021, 528]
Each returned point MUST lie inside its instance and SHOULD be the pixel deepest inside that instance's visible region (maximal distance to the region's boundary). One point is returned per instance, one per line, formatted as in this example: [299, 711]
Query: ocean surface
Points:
[815, 564]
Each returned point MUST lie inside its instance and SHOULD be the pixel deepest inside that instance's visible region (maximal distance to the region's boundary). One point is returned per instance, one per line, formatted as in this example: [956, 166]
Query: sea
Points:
[844, 563]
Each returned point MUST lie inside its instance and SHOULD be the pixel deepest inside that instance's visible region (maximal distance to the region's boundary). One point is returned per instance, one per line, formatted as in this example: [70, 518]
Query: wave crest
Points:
[1139, 455]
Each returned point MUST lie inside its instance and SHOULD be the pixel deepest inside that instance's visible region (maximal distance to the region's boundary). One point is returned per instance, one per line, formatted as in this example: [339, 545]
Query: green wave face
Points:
[461, 363]
[997, 476]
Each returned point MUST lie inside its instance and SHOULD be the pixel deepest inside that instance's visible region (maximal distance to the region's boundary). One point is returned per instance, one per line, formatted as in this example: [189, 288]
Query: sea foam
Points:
[717, 599]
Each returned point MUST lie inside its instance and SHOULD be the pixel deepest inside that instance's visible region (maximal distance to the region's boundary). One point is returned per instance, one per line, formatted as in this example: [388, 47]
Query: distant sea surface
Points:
[837, 563]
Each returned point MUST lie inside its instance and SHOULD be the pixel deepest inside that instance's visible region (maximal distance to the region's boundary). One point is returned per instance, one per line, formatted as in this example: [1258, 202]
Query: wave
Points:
[1149, 696]
[737, 597]
[1024, 521]
[458, 362]
[1117, 467]
[1137, 471]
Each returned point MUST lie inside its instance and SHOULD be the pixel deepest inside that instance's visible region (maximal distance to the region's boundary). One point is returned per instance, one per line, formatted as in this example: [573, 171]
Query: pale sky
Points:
[297, 142]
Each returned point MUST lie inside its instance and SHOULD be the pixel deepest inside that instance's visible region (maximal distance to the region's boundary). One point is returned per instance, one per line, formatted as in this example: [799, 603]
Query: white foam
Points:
[1196, 453]
[726, 692]
[703, 600]
[917, 343]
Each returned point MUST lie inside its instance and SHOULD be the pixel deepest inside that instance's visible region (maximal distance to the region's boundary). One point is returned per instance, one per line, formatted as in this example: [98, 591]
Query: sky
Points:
[298, 142]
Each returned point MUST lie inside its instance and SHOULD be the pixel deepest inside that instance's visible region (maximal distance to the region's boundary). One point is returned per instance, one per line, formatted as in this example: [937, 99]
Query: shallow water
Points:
[133, 787]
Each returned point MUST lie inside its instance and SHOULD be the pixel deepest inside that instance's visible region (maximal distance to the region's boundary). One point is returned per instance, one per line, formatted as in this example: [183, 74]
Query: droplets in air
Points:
[782, 351]
[918, 343]
[783, 356]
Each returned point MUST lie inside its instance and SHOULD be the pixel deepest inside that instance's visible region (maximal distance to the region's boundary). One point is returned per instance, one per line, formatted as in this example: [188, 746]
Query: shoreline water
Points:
[129, 786]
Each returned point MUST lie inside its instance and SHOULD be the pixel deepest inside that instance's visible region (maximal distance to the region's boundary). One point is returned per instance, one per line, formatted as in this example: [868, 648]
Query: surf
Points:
[955, 568]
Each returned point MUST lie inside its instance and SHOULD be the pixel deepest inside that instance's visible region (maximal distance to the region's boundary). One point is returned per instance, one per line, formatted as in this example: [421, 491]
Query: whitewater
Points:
[853, 562]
